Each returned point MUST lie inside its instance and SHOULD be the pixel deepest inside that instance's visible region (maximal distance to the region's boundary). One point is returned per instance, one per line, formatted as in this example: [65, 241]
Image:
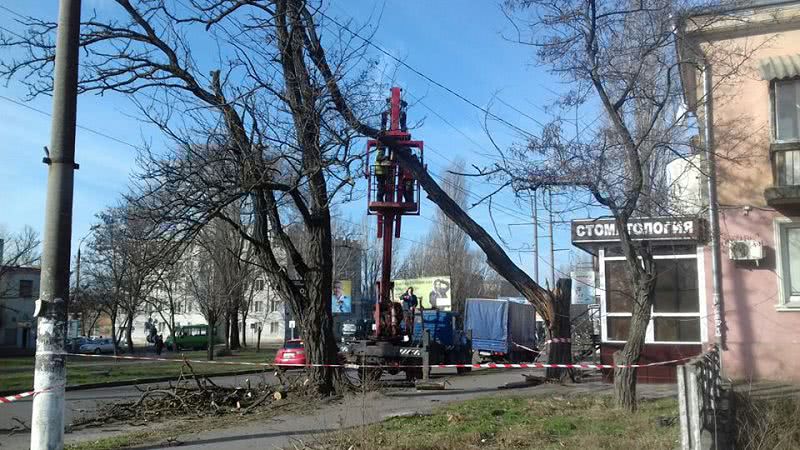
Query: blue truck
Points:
[433, 340]
[502, 330]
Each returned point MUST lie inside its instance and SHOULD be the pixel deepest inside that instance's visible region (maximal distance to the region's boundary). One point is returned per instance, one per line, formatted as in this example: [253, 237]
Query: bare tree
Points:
[621, 55]
[208, 282]
[106, 269]
[263, 120]
[123, 263]
[169, 292]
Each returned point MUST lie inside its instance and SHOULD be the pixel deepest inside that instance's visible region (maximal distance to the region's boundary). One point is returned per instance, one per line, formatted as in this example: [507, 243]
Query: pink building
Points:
[756, 130]
[756, 126]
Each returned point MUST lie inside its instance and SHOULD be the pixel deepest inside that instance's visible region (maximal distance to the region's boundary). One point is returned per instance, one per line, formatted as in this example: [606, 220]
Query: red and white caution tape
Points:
[531, 365]
[21, 395]
[13, 398]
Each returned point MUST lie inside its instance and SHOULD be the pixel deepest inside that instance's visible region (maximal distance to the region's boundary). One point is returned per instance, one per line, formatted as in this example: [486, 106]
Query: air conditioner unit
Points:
[745, 250]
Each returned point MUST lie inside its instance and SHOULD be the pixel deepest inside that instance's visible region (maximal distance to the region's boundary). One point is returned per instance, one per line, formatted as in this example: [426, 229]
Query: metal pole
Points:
[535, 209]
[47, 421]
[552, 245]
[713, 209]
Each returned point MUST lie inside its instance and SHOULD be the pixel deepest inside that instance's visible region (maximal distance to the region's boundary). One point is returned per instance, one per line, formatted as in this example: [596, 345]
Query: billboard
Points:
[342, 298]
[431, 292]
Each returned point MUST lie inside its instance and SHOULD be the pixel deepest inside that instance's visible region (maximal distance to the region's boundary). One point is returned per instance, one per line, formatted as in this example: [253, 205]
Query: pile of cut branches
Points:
[193, 395]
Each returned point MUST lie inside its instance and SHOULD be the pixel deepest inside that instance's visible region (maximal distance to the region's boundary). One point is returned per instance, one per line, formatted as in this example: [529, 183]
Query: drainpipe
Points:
[713, 207]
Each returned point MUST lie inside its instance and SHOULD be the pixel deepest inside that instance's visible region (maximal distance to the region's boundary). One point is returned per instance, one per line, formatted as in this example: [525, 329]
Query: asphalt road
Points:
[80, 403]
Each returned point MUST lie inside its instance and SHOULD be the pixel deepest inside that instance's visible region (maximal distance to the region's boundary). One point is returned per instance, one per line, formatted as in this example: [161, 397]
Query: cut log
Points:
[279, 395]
[430, 386]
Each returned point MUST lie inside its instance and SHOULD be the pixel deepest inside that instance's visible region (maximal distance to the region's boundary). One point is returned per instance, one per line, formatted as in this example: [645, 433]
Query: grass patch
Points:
[17, 373]
[766, 423]
[587, 422]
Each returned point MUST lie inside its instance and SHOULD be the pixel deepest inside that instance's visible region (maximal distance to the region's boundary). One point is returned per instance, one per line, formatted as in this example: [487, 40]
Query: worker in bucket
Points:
[381, 171]
[409, 308]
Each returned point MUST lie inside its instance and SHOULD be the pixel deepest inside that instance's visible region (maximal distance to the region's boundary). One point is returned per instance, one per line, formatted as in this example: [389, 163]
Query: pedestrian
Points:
[159, 344]
[410, 303]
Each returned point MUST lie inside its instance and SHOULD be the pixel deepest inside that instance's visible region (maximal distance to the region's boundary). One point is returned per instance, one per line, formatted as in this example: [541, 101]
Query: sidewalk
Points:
[357, 410]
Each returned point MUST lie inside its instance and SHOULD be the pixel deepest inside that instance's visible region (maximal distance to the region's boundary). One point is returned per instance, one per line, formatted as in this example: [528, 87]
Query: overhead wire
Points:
[426, 77]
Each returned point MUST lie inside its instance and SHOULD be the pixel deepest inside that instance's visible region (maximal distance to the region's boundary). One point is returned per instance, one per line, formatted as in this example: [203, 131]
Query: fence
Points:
[703, 402]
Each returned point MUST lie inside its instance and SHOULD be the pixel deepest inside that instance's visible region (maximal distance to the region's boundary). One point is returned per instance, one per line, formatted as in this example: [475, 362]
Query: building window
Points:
[258, 306]
[788, 234]
[26, 288]
[787, 110]
[675, 313]
[259, 285]
[274, 327]
[273, 305]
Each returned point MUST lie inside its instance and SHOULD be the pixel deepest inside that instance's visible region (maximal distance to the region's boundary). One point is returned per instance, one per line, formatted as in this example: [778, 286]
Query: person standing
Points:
[159, 344]
[381, 171]
[410, 304]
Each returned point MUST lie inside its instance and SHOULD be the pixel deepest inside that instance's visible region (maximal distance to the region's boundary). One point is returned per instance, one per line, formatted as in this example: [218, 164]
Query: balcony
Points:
[785, 190]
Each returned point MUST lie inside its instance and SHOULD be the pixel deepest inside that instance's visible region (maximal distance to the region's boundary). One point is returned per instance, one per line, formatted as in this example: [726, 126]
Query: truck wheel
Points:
[413, 374]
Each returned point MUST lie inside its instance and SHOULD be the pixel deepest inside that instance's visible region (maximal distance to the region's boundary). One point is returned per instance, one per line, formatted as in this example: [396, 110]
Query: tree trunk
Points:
[560, 329]
[210, 333]
[226, 331]
[244, 327]
[114, 332]
[258, 342]
[172, 329]
[496, 257]
[234, 331]
[317, 331]
[625, 377]
[129, 333]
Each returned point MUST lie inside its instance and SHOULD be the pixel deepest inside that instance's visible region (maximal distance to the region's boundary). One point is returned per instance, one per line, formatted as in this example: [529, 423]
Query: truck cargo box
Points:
[500, 326]
[439, 323]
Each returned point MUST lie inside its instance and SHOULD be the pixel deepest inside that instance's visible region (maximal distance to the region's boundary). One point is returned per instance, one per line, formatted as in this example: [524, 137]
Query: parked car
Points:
[74, 344]
[293, 355]
[98, 346]
[193, 337]
[293, 352]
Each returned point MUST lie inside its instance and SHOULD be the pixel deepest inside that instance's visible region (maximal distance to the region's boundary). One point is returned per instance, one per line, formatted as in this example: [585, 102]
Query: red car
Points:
[292, 355]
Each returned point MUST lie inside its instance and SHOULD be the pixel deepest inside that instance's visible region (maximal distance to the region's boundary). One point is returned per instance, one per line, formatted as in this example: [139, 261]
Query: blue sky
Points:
[456, 43]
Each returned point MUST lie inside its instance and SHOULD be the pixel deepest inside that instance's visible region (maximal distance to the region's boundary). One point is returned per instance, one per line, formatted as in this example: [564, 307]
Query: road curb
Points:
[80, 387]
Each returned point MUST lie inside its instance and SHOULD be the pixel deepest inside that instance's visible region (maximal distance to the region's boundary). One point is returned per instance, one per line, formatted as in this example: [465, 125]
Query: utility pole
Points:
[535, 209]
[47, 421]
[552, 245]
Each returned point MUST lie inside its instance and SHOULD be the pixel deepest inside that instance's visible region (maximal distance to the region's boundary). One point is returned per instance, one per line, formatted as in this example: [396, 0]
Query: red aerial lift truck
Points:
[393, 193]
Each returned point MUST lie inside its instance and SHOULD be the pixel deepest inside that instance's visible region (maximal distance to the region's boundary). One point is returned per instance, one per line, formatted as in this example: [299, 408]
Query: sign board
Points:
[431, 292]
[640, 229]
[291, 324]
[583, 287]
[342, 298]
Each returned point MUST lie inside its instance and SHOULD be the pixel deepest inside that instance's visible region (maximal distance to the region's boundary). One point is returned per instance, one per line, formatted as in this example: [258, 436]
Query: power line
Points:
[85, 128]
[13, 12]
[426, 77]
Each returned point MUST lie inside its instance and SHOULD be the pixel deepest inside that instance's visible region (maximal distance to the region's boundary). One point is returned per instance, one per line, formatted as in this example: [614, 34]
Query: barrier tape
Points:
[531, 365]
[21, 395]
